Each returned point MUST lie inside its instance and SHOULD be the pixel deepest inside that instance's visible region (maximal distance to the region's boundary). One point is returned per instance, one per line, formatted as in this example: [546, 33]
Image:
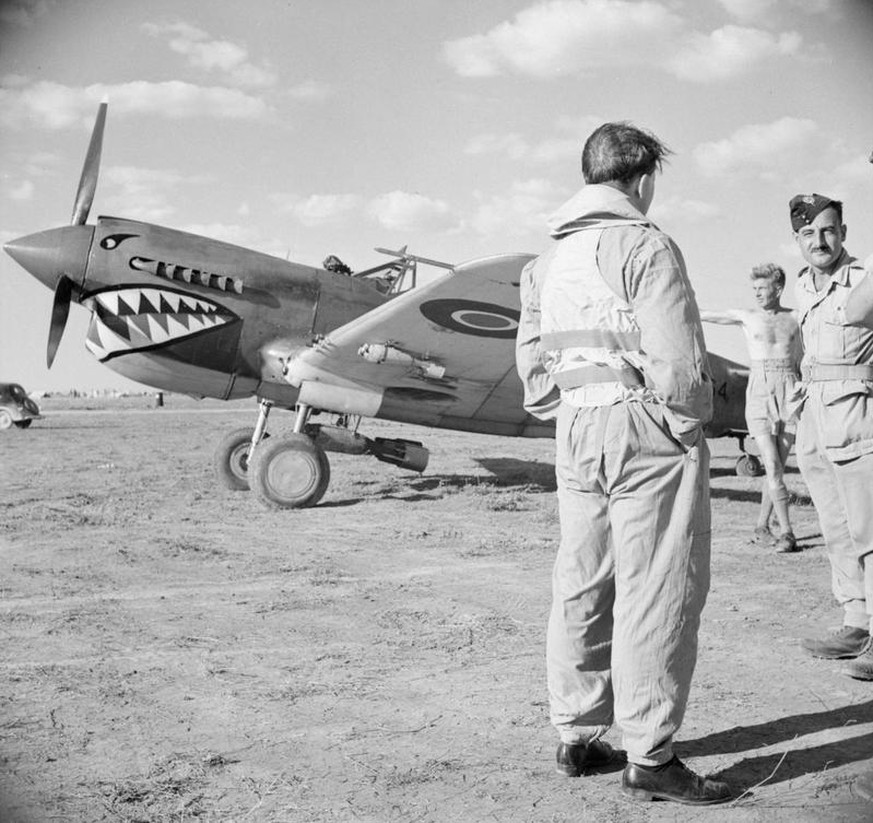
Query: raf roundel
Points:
[472, 317]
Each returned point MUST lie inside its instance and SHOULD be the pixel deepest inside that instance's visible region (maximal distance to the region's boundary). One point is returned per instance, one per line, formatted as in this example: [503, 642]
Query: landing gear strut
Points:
[231, 458]
[290, 471]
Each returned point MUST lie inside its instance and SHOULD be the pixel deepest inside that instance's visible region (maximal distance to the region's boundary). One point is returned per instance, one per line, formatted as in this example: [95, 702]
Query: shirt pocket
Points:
[839, 341]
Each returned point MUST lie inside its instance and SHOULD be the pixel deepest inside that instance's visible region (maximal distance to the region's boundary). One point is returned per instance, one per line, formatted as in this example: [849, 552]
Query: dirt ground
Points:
[172, 651]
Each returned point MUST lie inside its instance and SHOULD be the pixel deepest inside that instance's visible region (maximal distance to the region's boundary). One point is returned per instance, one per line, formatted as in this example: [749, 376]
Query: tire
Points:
[5, 419]
[289, 472]
[231, 459]
[23, 424]
[749, 466]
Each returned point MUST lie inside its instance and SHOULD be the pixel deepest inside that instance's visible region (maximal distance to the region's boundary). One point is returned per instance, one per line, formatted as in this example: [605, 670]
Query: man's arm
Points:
[671, 334]
[541, 396]
[730, 317]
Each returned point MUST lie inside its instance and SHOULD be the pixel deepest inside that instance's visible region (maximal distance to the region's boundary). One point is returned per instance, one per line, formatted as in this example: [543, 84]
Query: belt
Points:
[816, 372]
[774, 364]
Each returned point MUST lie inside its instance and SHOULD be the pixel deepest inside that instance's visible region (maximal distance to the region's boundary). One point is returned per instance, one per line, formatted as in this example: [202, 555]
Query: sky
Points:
[303, 129]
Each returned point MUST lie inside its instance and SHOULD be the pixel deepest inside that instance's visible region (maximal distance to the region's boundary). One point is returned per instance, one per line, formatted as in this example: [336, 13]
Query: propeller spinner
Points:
[58, 257]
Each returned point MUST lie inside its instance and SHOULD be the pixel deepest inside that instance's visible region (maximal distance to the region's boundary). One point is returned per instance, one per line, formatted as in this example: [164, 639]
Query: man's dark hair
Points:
[619, 152]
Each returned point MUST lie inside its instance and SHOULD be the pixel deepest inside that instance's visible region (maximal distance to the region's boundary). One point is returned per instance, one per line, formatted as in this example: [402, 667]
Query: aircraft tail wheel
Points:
[289, 472]
[749, 466]
[231, 459]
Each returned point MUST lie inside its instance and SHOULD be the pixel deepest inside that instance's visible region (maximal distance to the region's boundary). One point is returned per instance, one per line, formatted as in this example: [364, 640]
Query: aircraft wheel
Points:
[289, 472]
[749, 466]
[5, 419]
[231, 459]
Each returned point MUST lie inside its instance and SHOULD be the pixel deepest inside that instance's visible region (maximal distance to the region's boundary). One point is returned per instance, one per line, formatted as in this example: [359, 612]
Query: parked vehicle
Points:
[16, 408]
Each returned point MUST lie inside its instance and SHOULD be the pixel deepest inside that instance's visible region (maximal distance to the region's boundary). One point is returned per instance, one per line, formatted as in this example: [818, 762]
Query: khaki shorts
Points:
[771, 407]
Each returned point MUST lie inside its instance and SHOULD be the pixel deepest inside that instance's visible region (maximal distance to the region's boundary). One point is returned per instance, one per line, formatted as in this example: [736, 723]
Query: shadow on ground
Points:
[798, 761]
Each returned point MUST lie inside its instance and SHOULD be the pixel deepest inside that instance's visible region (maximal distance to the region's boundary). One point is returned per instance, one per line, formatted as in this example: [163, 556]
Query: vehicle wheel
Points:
[23, 424]
[231, 459]
[749, 466]
[5, 419]
[289, 472]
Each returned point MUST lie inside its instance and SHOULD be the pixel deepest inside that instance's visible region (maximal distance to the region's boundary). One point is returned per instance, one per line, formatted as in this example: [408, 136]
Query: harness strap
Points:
[591, 338]
[592, 373]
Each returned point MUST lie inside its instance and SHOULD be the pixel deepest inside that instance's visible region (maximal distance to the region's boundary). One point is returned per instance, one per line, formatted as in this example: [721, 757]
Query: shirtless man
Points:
[773, 337]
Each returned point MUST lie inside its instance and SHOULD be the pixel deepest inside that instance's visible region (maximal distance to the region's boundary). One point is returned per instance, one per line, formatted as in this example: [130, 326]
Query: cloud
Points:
[563, 37]
[729, 52]
[318, 209]
[24, 13]
[757, 150]
[577, 37]
[523, 211]
[513, 146]
[207, 54]
[747, 9]
[683, 210]
[247, 236]
[55, 106]
[21, 191]
[516, 148]
[564, 148]
[310, 90]
[854, 171]
[403, 211]
[144, 193]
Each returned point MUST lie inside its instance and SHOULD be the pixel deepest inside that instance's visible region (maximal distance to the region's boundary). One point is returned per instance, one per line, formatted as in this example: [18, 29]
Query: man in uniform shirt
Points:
[610, 344]
[835, 434]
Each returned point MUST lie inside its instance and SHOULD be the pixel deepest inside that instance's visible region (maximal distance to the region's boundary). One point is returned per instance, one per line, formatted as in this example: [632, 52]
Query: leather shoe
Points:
[673, 781]
[845, 642]
[786, 543]
[576, 759]
[861, 668]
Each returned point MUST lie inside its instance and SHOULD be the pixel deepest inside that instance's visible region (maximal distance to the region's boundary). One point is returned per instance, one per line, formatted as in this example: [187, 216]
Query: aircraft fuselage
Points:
[189, 314]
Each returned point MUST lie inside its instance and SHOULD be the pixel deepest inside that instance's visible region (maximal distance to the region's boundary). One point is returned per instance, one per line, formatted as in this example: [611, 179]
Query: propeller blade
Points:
[88, 180]
[60, 310]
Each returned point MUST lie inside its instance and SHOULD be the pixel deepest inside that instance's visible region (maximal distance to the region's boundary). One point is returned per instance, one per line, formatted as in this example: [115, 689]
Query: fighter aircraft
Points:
[189, 314]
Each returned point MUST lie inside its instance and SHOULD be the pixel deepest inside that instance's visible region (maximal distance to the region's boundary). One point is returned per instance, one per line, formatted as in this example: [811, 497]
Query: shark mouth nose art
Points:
[136, 318]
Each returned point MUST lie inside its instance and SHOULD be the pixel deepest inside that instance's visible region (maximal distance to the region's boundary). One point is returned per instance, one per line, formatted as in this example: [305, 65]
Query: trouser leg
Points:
[579, 639]
[855, 481]
[841, 494]
[661, 534]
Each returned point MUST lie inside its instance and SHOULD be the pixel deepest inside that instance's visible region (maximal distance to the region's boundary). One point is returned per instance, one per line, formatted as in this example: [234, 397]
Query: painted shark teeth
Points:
[143, 317]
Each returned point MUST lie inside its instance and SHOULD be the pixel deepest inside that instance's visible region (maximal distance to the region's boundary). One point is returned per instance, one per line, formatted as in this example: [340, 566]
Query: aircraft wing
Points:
[442, 354]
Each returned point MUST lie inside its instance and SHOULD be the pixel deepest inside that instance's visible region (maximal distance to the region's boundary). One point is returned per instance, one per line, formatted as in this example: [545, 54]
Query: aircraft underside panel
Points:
[172, 375]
